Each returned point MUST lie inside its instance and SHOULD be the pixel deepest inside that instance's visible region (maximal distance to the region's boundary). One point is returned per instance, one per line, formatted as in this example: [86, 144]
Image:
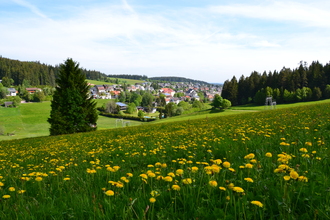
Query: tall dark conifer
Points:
[72, 110]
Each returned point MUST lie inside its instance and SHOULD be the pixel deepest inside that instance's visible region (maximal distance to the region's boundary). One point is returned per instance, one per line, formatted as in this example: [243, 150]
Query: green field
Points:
[30, 119]
[128, 81]
[259, 165]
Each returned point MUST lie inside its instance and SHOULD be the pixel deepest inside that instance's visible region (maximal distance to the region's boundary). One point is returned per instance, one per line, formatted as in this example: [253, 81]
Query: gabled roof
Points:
[121, 104]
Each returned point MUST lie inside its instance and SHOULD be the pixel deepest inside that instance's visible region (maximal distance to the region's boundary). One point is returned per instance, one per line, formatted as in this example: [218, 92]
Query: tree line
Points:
[304, 83]
[36, 73]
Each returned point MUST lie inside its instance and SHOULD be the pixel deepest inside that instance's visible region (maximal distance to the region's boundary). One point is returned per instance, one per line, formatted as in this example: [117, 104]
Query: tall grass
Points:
[264, 165]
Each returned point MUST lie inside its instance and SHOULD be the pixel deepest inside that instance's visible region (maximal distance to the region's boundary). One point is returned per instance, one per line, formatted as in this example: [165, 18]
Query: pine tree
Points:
[72, 110]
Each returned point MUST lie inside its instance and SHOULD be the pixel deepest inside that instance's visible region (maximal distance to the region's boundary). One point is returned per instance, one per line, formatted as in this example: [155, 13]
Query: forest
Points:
[304, 83]
[36, 73]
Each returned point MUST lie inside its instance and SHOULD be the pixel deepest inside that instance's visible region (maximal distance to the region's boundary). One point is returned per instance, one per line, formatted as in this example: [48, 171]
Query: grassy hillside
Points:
[128, 81]
[258, 165]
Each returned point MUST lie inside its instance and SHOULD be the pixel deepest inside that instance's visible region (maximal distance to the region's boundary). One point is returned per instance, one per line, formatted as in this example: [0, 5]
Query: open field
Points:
[30, 119]
[258, 165]
[128, 81]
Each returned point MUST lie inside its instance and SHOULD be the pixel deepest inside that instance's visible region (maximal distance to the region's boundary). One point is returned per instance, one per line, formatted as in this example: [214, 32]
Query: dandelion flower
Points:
[304, 150]
[66, 179]
[248, 180]
[168, 179]
[257, 203]
[187, 181]
[38, 179]
[144, 176]
[1, 184]
[213, 183]
[248, 165]
[152, 200]
[21, 191]
[286, 178]
[268, 154]
[228, 198]
[109, 193]
[294, 175]
[176, 187]
[303, 179]
[238, 189]
[179, 172]
[6, 196]
[11, 189]
[226, 164]
[154, 193]
[222, 188]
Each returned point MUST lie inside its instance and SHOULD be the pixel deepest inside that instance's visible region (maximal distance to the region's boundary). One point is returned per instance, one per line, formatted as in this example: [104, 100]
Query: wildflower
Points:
[253, 161]
[144, 176]
[1, 184]
[217, 161]
[248, 180]
[187, 181]
[257, 203]
[227, 198]
[232, 169]
[308, 143]
[164, 165]
[222, 188]
[286, 178]
[38, 179]
[66, 179]
[171, 174]
[109, 193]
[249, 156]
[6, 196]
[231, 186]
[176, 187]
[294, 175]
[21, 191]
[150, 165]
[268, 154]
[304, 150]
[226, 164]
[168, 179]
[248, 165]
[11, 189]
[179, 172]
[151, 174]
[129, 174]
[213, 183]
[154, 193]
[116, 168]
[238, 189]
[152, 200]
[215, 168]
[194, 169]
[303, 179]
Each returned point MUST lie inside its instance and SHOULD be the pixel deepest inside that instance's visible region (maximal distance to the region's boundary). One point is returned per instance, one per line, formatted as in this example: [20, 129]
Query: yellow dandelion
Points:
[248, 165]
[1, 184]
[66, 179]
[226, 164]
[179, 171]
[227, 198]
[187, 181]
[304, 150]
[213, 183]
[194, 169]
[303, 179]
[294, 175]
[109, 193]
[248, 180]
[129, 174]
[154, 193]
[144, 176]
[286, 178]
[268, 154]
[21, 191]
[176, 187]
[238, 189]
[152, 200]
[257, 203]
[38, 178]
[11, 189]
[222, 188]
[6, 196]
[168, 179]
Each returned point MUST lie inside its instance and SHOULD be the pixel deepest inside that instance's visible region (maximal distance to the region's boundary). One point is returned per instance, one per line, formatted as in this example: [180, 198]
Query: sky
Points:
[208, 40]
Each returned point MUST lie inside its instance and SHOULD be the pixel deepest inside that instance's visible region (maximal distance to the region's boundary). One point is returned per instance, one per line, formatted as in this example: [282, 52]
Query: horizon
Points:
[207, 41]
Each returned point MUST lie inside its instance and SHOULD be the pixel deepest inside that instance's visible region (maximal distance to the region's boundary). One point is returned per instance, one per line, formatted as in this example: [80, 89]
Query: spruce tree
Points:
[72, 110]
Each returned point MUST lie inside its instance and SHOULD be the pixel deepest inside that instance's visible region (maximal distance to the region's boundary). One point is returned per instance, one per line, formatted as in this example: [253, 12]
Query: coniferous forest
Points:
[305, 83]
[36, 73]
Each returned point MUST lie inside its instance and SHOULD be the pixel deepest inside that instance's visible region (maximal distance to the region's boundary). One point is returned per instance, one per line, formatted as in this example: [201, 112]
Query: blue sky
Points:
[206, 40]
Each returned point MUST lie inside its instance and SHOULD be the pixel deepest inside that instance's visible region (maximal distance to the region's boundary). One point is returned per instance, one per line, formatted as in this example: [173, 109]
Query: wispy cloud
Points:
[211, 43]
[31, 7]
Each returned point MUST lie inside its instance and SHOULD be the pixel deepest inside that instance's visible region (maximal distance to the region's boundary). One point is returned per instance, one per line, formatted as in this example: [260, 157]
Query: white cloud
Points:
[31, 7]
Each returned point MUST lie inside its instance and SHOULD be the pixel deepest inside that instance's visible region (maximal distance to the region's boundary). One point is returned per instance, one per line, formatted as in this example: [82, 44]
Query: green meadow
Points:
[271, 164]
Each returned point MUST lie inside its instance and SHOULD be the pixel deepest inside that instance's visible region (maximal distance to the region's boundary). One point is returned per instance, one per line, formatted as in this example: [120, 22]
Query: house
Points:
[122, 106]
[167, 90]
[33, 90]
[12, 92]
[100, 89]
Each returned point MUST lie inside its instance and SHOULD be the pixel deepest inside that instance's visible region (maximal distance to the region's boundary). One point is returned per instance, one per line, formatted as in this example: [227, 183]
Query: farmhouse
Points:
[33, 90]
[12, 92]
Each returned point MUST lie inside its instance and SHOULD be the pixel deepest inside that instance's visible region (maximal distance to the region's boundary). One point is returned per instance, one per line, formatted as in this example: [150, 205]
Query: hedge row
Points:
[128, 117]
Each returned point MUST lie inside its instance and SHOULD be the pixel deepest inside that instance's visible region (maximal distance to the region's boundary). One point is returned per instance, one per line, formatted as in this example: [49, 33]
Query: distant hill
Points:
[37, 73]
[177, 79]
